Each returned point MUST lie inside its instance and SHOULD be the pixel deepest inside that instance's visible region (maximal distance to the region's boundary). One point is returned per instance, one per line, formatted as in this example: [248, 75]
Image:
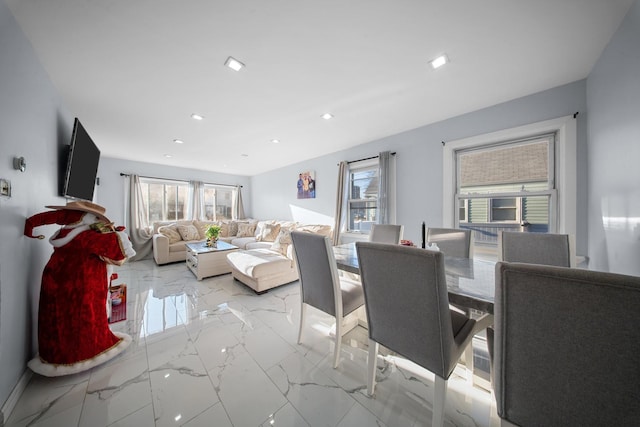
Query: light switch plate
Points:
[5, 187]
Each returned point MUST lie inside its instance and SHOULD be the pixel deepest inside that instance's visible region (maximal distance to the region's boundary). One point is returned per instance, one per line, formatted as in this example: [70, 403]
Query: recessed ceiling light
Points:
[275, 141]
[234, 64]
[327, 116]
[195, 116]
[168, 156]
[244, 155]
[439, 61]
[178, 141]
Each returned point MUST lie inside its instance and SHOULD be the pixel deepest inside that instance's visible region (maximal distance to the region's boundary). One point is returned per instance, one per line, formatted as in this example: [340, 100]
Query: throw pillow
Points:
[224, 229]
[171, 233]
[188, 232]
[233, 228]
[282, 241]
[268, 233]
[246, 230]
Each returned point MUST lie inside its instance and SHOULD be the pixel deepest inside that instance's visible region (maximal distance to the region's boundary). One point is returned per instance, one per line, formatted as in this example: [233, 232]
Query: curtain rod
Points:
[169, 179]
[367, 158]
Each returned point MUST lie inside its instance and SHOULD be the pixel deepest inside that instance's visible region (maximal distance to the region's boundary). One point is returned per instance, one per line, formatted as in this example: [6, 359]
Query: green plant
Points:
[212, 231]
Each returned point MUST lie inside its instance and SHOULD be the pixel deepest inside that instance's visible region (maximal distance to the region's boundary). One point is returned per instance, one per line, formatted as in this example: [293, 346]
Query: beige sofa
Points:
[170, 237]
[266, 256]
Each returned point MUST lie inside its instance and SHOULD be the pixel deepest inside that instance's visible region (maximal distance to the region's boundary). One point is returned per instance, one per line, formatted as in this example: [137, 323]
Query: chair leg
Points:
[303, 312]
[439, 397]
[336, 354]
[468, 362]
[371, 371]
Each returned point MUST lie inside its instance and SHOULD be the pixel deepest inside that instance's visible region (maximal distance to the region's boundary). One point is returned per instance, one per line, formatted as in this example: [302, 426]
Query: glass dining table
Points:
[470, 281]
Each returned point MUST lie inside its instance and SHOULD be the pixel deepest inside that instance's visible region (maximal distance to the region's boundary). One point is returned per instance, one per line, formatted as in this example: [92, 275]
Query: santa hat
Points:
[84, 206]
[69, 214]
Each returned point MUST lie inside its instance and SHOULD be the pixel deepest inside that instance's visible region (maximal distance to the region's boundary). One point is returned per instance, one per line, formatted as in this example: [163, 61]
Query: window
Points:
[497, 181]
[218, 202]
[483, 188]
[363, 196]
[504, 210]
[167, 200]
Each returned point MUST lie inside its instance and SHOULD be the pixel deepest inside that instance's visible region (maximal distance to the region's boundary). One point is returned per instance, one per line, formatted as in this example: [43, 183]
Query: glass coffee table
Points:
[205, 261]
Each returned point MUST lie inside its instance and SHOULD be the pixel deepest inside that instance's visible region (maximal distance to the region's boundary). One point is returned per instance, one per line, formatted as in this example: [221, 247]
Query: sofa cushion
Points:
[232, 227]
[202, 226]
[258, 245]
[282, 241]
[224, 229]
[242, 242]
[268, 233]
[246, 229]
[171, 233]
[259, 262]
[188, 232]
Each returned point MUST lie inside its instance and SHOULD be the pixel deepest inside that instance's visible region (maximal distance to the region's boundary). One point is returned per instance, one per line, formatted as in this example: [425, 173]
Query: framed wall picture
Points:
[307, 185]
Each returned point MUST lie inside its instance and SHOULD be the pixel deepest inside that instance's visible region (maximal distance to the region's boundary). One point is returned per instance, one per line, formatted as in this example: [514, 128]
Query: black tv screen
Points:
[82, 165]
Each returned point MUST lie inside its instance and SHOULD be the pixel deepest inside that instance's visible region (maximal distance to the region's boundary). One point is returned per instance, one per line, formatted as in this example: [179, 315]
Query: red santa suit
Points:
[73, 330]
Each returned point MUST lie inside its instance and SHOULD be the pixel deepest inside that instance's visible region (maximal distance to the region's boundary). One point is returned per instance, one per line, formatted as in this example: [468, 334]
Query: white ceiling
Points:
[133, 71]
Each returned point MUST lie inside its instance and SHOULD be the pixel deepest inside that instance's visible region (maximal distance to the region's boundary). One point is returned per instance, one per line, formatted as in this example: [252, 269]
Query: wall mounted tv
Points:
[82, 165]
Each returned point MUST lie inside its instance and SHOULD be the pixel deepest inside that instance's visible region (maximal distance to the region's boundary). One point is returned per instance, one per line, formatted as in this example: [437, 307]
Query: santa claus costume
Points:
[73, 329]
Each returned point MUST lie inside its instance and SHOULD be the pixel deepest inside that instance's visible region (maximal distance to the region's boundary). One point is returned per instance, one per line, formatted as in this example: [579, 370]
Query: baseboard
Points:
[12, 400]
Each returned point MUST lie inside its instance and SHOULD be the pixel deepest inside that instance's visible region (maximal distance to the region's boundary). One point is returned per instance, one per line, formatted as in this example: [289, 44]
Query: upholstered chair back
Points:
[454, 242]
[567, 342]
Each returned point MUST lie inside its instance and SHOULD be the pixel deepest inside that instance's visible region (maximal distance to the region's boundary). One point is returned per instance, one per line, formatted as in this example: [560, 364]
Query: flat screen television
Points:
[82, 165]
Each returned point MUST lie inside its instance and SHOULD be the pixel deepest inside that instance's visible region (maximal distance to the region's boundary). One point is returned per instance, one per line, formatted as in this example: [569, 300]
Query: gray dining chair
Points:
[537, 248]
[386, 233]
[407, 306]
[574, 362]
[321, 286]
[532, 248]
[454, 242]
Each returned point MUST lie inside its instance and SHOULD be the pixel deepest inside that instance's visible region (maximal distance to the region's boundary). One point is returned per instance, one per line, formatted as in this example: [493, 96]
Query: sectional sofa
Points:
[266, 257]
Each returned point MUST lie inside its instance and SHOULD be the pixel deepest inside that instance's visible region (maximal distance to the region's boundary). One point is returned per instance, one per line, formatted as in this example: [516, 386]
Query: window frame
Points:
[370, 164]
[565, 196]
[165, 183]
[218, 188]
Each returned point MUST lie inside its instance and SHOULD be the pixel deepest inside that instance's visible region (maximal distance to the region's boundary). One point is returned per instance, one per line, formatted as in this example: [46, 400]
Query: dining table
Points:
[470, 281]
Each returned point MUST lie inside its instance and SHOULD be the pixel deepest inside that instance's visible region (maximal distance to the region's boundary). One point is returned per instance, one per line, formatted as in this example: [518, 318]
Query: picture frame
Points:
[306, 185]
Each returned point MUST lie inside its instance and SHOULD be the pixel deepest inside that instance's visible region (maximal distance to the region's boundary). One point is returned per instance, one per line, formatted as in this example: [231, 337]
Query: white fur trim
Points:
[69, 237]
[52, 370]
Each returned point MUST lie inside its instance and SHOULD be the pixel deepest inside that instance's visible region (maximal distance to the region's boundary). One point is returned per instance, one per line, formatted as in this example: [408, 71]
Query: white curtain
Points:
[384, 187]
[140, 232]
[197, 200]
[238, 208]
[341, 194]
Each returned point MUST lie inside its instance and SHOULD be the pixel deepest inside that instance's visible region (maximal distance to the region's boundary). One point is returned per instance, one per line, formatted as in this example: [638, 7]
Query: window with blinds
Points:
[507, 186]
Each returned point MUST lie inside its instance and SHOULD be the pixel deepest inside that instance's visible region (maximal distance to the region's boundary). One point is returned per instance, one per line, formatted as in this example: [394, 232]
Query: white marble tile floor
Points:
[213, 353]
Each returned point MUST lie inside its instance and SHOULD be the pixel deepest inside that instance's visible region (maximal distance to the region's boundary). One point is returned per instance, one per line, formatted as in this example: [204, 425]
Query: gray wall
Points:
[613, 94]
[419, 163]
[110, 192]
[35, 125]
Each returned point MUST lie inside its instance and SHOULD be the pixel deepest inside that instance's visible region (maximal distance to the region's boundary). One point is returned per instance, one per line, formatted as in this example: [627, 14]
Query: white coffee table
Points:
[206, 261]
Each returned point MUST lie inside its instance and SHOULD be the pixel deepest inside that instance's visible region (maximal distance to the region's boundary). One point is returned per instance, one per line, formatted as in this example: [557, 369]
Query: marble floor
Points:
[213, 353]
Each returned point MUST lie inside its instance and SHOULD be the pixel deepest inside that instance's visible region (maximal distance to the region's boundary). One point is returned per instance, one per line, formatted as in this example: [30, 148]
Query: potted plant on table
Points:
[212, 232]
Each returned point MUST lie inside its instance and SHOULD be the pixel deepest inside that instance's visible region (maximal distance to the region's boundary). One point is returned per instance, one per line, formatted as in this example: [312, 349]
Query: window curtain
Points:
[384, 159]
[140, 232]
[197, 200]
[341, 195]
[238, 208]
